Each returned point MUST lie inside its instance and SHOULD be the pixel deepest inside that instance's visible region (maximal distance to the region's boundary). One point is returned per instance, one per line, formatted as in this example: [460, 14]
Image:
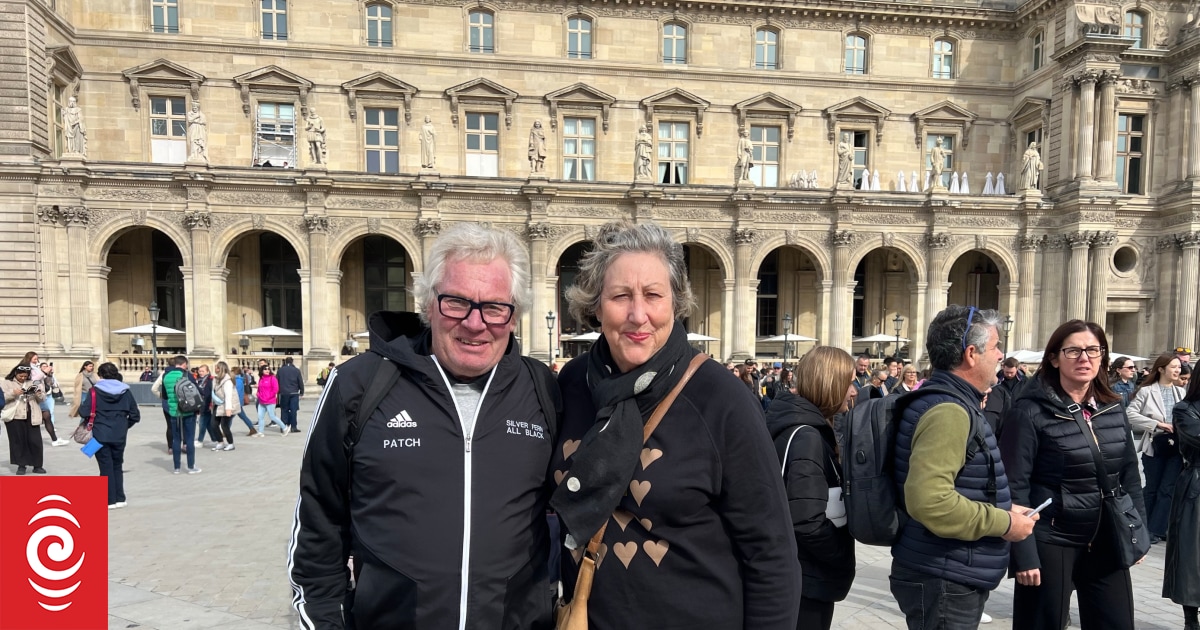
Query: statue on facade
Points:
[937, 164]
[428, 144]
[537, 148]
[74, 131]
[642, 153]
[197, 133]
[314, 125]
[1031, 167]
[745, 155]
[845, 167]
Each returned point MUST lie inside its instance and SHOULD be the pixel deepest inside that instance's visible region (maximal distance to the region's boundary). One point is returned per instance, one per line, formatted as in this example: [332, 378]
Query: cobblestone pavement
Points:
[207, 551]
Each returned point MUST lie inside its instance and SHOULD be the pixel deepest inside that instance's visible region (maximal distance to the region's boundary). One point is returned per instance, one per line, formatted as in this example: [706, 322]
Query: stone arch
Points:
[715, 246]
[227, 238]
[559, 246]
[916, 257]
[342, 241]
[805, 243]
[1004, 259]
[101, 243]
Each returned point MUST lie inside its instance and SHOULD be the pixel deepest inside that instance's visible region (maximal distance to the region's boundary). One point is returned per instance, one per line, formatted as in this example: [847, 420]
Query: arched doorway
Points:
[788, 285]
[145, 266]
[567, 271]
[884, 287]
[263, 289]
[974, 281]
[375, 272]
[707, 278]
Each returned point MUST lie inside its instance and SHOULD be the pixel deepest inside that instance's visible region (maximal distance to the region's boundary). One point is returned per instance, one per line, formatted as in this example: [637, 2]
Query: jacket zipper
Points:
[467, 487]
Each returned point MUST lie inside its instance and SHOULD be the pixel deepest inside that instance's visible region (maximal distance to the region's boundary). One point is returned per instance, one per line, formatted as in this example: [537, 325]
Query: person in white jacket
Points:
[228, 406]
[1150, 413]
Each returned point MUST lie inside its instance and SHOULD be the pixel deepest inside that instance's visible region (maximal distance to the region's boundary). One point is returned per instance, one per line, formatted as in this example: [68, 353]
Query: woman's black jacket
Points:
[826, 552]
[116, 411]
[1046, 455]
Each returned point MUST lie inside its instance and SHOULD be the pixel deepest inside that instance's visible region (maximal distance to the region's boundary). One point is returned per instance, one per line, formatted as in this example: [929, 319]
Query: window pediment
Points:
[1031, 112]
[162, 73]
[482, 91]
[857, 110]
[579, 96]
[379, 86]
[944, 114]
[65, 66]
[769, 105]
[273, 80]
[676, 100]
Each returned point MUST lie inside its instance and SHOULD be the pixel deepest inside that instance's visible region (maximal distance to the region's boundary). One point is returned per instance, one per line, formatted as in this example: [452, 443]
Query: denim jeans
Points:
[205, 427]
[245, 418]
[289, 406]
[183, 429]
[268, 410]
[933, 603]
[110, 459]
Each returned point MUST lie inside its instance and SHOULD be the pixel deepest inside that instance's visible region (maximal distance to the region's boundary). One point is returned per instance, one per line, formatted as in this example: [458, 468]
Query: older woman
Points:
[696, 528]
[22, 416]
[1150, 415]
[801, 422]
[1181, 578]
[1049, 446]
[908, 380]
[116, 412]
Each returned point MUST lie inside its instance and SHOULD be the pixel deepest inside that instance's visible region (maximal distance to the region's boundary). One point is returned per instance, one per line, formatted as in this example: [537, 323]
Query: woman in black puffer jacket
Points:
[1048, 456]
[1181, 578]
[801, 424]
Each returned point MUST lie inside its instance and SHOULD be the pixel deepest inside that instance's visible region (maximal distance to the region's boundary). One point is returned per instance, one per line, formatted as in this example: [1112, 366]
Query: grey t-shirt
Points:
[466, 397]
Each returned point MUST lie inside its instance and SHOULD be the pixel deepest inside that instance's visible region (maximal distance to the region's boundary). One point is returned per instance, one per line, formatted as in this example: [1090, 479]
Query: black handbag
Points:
[1130, 537]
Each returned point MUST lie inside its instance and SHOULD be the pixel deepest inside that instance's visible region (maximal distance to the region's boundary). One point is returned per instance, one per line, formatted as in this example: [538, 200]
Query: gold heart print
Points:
[648, 456]
[622, 518]
[569, 448]
[639, 490]
[558, 476]
[656, 550]
[625, 552]
[646, 523]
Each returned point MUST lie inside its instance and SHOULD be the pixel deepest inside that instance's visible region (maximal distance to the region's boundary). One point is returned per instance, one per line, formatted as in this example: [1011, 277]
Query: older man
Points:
[441, 499]
[953, 550]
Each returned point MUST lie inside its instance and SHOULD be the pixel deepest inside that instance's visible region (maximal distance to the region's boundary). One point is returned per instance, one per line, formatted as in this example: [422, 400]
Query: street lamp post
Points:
[1007, 324]
[550, 317]
[898, 323]
[154, 312]
[787, 328]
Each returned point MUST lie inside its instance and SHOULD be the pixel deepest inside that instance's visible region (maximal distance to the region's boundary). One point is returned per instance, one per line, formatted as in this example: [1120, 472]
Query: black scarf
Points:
[605, 461]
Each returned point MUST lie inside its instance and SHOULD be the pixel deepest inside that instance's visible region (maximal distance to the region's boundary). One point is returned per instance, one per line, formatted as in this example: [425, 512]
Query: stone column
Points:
[1098, 291]
[918, 323]
[428, 230]
[1053, 270]
[201, 299]
[218, 278]
[98, 313]
[728, 296]
[53, 268]
[77, 219]
[744, 307]
[1106, 129]
[824, 309]
[1087, 115]
[1189, 278]
[543, 292]
[1077, 278]
[1193, 152]
[1022, 337]
[1175, 144]
[320, 345]
[1164, 309]
[839, 303]
[935, 294]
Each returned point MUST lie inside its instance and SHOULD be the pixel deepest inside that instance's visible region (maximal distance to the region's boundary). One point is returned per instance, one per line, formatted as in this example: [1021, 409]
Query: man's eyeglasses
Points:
[454, 307]
[967, 332]
[1093, 352]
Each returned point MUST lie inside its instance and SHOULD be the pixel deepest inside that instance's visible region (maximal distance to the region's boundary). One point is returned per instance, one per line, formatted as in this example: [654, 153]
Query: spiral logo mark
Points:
[59, 551]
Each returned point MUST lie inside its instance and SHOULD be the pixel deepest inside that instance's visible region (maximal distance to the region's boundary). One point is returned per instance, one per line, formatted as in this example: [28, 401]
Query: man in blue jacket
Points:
[291, 388]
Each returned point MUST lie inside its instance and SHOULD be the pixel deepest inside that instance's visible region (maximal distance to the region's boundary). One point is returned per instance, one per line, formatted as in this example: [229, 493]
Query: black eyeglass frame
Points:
[1078, 352]
[472, 305]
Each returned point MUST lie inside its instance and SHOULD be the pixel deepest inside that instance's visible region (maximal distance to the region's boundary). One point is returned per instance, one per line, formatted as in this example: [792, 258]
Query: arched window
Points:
[379, 24]
[1135, 28]
[1039, 49]
[482, 38]
[943, 59]
[579, 37]
[674, 43]
[856, 53]
[766, 49]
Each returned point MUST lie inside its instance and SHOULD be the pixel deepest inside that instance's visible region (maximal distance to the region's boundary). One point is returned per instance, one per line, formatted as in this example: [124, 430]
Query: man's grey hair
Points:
[474, 243]
[881, 374]
[623, 237]
[944, 341]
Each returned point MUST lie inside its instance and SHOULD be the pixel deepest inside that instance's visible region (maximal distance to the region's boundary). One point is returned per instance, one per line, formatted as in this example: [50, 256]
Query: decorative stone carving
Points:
[373, 225]
[1188, 239]
[844, 177]
[539, 230]
[1031, 168]
[1089, 75]
[743, 236]
[981, 241]
[1054, 242]
[941, 240]
[428, 227]
[1078, 239]
[1136, 86]
[428, 144]
[197, 134]
[1166, 243]
[257, 199]
[1104, 239]
[75, 215]
[980, 221]
[196, 219]
[889, 239]
[845, 238]
[642, 158]
[314, 126]
[49, 214]
[316, 223]
[196, 194]
[258, 220]
[136, 194]
[74, 130]
[56, 191]
[537, 148]
[1029, 243]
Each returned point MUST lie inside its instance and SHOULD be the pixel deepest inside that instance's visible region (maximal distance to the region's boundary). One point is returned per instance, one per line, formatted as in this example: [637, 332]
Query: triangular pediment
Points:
[676, 97]
[64, 63]
[768, 102]
[163, 70]
[481, 88]
[580, 93]
[946, 111]
[273, 77]
[379, 82]
[858, 106]
[1029, 107]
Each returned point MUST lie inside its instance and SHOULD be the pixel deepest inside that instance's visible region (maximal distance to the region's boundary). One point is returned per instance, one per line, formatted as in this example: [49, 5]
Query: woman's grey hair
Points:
[623, 237]
[944, 340]
[475, 243]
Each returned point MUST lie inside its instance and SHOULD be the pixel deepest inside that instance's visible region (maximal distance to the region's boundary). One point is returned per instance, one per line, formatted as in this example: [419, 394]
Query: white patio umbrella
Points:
[1112, 354]
[1026, 356]
[789, 338]
[362, 335]
[146, 329]
[699, 337]
[587, 336]
[880, 338]
[268, 331]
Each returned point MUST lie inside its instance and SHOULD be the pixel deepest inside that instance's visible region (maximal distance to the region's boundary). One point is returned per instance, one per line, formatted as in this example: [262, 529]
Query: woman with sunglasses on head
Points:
[22, 417]
[1065, 438]
[1123, 379]
[1150, 415]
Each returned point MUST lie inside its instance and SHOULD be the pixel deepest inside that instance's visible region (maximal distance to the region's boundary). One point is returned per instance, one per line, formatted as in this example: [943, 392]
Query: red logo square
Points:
[53, 553]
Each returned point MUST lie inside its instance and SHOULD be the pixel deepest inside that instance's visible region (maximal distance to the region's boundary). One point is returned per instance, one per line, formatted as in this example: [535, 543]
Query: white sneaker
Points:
[985, 618]
[199, 443]
[193, 471]
[60, 442]
[228, 447]
[218, 446]
[287, 430]
[119, 504]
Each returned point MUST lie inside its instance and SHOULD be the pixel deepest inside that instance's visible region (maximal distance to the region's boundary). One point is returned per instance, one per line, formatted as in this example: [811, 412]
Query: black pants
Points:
[814, 614]
[49, 425]
[1161, 472]
[221, 429]
[110, 459]
[933, 603]
[1104, 590]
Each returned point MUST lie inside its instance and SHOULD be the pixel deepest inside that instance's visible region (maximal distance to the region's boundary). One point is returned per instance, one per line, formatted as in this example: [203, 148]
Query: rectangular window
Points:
[1135, 28]
[481, 23]
[383, 140]
[948, 162]
[274, 19]
[579, 38]
[768, 295]
[673, 152]
[164, 16]
[766, 50]
[856, 54]
[379, 25]
[483, 145]
[1034, 136]
[675, 43]
[579, 149]
[275, 135]
[1039, 47]
[765, 143]
[1131, 138]
[384, 277]
[58, 102]
[862, 157]
[168, 129]
[943, 59]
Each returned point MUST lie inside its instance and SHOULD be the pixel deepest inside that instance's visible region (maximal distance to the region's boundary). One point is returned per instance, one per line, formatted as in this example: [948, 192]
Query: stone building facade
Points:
[248, 163]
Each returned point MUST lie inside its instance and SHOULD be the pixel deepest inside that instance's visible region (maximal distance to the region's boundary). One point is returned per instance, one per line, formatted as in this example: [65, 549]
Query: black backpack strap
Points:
[385, 376]
[549, 398]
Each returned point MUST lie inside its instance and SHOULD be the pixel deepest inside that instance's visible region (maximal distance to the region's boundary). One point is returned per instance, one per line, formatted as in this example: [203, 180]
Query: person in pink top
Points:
[268, 394]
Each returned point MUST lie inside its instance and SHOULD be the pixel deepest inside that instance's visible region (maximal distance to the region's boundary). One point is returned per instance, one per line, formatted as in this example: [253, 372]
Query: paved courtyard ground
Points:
[207, 551]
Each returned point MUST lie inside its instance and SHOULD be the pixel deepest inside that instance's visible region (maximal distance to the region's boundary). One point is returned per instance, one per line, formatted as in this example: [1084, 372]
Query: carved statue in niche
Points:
[642, 152]
[197, 134]
[74, 131]
[537, 148]
[845, 168]
[428, 144]
[745, 153]
[1031, 167]
[937, 163]
[314, 125]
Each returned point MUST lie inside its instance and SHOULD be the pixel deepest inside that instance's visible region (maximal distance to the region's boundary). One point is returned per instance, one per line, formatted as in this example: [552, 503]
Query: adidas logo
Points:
[402, 421]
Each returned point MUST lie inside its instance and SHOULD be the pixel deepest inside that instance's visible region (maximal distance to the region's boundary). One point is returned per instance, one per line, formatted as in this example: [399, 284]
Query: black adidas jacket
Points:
[447, 531]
